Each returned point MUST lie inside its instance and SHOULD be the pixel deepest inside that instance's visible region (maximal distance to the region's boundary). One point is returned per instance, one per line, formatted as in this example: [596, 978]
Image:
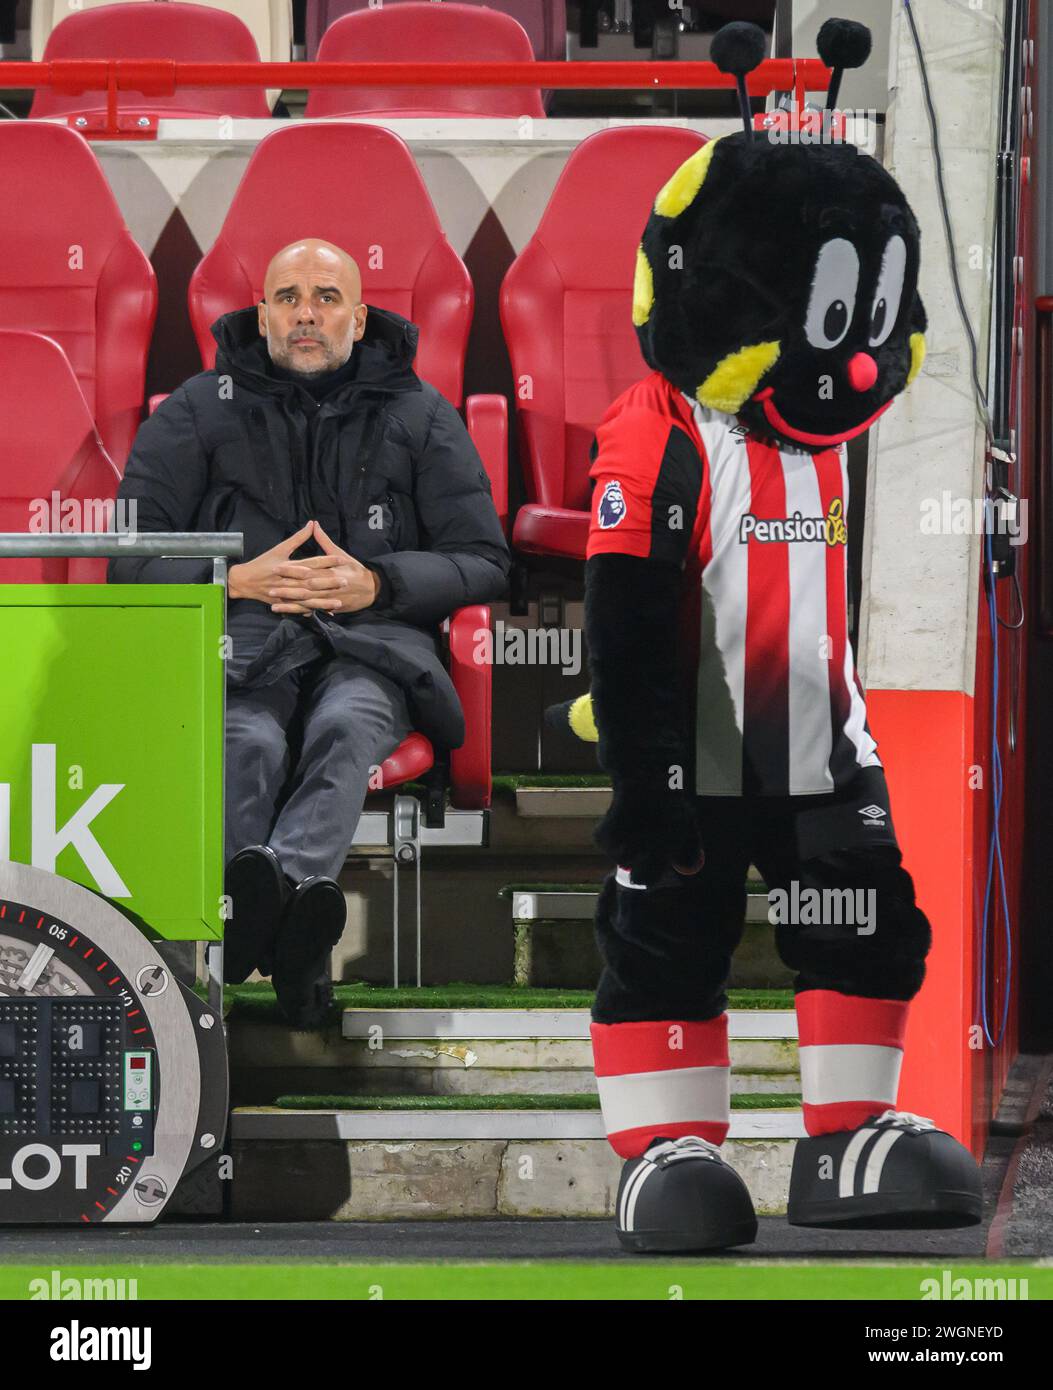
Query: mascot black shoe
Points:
[894, 1172]
[681, 1196]
[776, 303]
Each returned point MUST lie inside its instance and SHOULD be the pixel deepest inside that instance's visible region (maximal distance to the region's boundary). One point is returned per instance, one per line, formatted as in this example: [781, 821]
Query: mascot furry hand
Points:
[776, 301]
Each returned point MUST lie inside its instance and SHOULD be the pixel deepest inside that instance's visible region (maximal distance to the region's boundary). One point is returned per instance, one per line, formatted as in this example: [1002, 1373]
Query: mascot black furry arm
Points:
[632, 636]
[776, 301]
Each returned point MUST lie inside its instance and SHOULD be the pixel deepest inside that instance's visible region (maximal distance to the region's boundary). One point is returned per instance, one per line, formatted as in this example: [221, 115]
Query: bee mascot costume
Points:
[776, 301]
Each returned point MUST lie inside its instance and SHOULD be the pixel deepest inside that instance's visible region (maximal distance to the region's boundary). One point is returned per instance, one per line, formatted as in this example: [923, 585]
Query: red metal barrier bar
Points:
[161, 77]
[112, 119]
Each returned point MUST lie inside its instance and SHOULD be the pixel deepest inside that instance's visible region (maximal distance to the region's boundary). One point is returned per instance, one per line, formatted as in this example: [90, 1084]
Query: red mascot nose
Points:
[862, 371]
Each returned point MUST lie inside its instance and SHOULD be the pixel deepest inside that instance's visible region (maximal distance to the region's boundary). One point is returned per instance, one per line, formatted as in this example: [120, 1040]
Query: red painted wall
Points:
[925, 742]
[935, 746]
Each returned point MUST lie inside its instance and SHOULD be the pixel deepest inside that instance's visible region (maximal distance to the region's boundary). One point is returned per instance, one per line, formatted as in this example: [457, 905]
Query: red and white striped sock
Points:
[851, 1051]
[662, 1078]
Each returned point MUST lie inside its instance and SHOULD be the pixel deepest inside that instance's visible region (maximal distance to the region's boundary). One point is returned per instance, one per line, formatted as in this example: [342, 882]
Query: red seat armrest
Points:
[92, 479]
[487, 420]
[472, 675]
[541, 530]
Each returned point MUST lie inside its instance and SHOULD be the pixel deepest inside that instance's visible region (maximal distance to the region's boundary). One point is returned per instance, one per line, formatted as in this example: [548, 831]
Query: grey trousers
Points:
[299, 756]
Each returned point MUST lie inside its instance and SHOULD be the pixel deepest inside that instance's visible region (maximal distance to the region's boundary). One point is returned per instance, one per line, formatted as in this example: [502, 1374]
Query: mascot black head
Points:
[777, 281]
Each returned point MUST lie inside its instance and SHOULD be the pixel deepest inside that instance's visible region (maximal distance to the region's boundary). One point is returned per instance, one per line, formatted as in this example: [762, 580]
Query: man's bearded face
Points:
[312, 312]
[309, 336]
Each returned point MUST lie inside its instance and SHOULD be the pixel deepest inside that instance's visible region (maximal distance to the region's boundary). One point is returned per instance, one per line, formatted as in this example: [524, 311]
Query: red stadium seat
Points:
[445, 33]
[380, 203]
[70, 268]
[377, 208]
[566, 312]
[183, 32]
[269, 21]
[52, 458]
[545, 22]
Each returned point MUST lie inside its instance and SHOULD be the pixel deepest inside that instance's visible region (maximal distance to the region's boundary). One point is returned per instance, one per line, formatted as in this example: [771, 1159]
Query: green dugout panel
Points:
[111, 753]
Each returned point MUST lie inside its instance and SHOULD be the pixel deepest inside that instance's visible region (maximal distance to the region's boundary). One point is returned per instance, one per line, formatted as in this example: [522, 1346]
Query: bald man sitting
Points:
[367, 519]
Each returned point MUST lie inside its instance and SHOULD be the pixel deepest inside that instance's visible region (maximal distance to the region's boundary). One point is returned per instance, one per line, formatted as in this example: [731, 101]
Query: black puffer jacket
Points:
[383, 462]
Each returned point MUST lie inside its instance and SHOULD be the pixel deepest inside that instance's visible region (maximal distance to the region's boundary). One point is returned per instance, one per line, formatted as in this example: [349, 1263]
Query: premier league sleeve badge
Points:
[612, 505]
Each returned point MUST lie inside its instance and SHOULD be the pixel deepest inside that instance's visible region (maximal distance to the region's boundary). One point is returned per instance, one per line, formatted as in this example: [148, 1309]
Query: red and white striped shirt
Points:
[761, 535]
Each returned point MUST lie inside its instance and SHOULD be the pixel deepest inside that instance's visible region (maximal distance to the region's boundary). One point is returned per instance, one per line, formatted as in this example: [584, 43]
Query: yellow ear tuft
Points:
[582, 720]
[734, 379]
[917, 355]
[643, 289]
[679, 192]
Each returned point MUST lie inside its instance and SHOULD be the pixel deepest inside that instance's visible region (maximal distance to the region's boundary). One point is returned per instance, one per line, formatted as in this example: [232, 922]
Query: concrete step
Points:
[554, 944]
[267, 1061]
[472, 1052]
[568, 796]
[550, 902]
[529, 1023]
[394, 1165]
[563, 803]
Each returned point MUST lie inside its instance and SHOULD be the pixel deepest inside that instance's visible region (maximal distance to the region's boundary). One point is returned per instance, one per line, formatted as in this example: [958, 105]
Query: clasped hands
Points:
[334, 582]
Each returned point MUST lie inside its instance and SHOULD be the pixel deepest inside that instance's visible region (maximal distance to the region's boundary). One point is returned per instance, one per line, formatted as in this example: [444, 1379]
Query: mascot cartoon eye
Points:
[833, 298]
[889, 290]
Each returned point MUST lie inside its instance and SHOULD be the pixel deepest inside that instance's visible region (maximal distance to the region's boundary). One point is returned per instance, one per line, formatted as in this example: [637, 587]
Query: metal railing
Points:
[161, 77]
[168, 545]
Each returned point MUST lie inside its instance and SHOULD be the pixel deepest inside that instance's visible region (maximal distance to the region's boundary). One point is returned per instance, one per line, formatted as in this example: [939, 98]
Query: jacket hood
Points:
[385, 352]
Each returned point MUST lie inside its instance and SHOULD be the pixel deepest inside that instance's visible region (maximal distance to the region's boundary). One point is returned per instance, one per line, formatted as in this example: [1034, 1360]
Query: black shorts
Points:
[667, 947]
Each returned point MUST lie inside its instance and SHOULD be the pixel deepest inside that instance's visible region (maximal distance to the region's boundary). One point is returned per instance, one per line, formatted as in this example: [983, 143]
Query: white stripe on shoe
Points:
[632, 1193]
[833, 1073]
[846, 1177]
[876, 1161]
[655, 1098]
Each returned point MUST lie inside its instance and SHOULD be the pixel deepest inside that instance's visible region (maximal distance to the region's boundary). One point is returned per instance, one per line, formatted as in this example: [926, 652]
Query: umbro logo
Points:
[873, 815]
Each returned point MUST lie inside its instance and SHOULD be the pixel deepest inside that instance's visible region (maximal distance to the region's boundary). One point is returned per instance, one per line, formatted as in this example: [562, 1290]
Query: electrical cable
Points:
[941, 192]
[995, 859]
[994, 846]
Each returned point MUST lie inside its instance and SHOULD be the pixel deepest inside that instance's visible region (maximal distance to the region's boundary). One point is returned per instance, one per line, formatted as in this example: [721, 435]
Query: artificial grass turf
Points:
[512, 781]
[256, 1002]
[586, 1101]
[714, 1278]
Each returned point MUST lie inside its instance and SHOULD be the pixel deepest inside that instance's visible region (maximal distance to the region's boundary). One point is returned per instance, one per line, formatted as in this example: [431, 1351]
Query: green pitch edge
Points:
[256, 1002]
[651, 1280]
[759, 1101]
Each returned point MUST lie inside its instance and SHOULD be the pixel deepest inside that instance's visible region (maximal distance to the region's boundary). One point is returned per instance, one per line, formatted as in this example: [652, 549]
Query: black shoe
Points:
[896, 1172]
[681, 1195]
[311, 926]
[259, 891]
